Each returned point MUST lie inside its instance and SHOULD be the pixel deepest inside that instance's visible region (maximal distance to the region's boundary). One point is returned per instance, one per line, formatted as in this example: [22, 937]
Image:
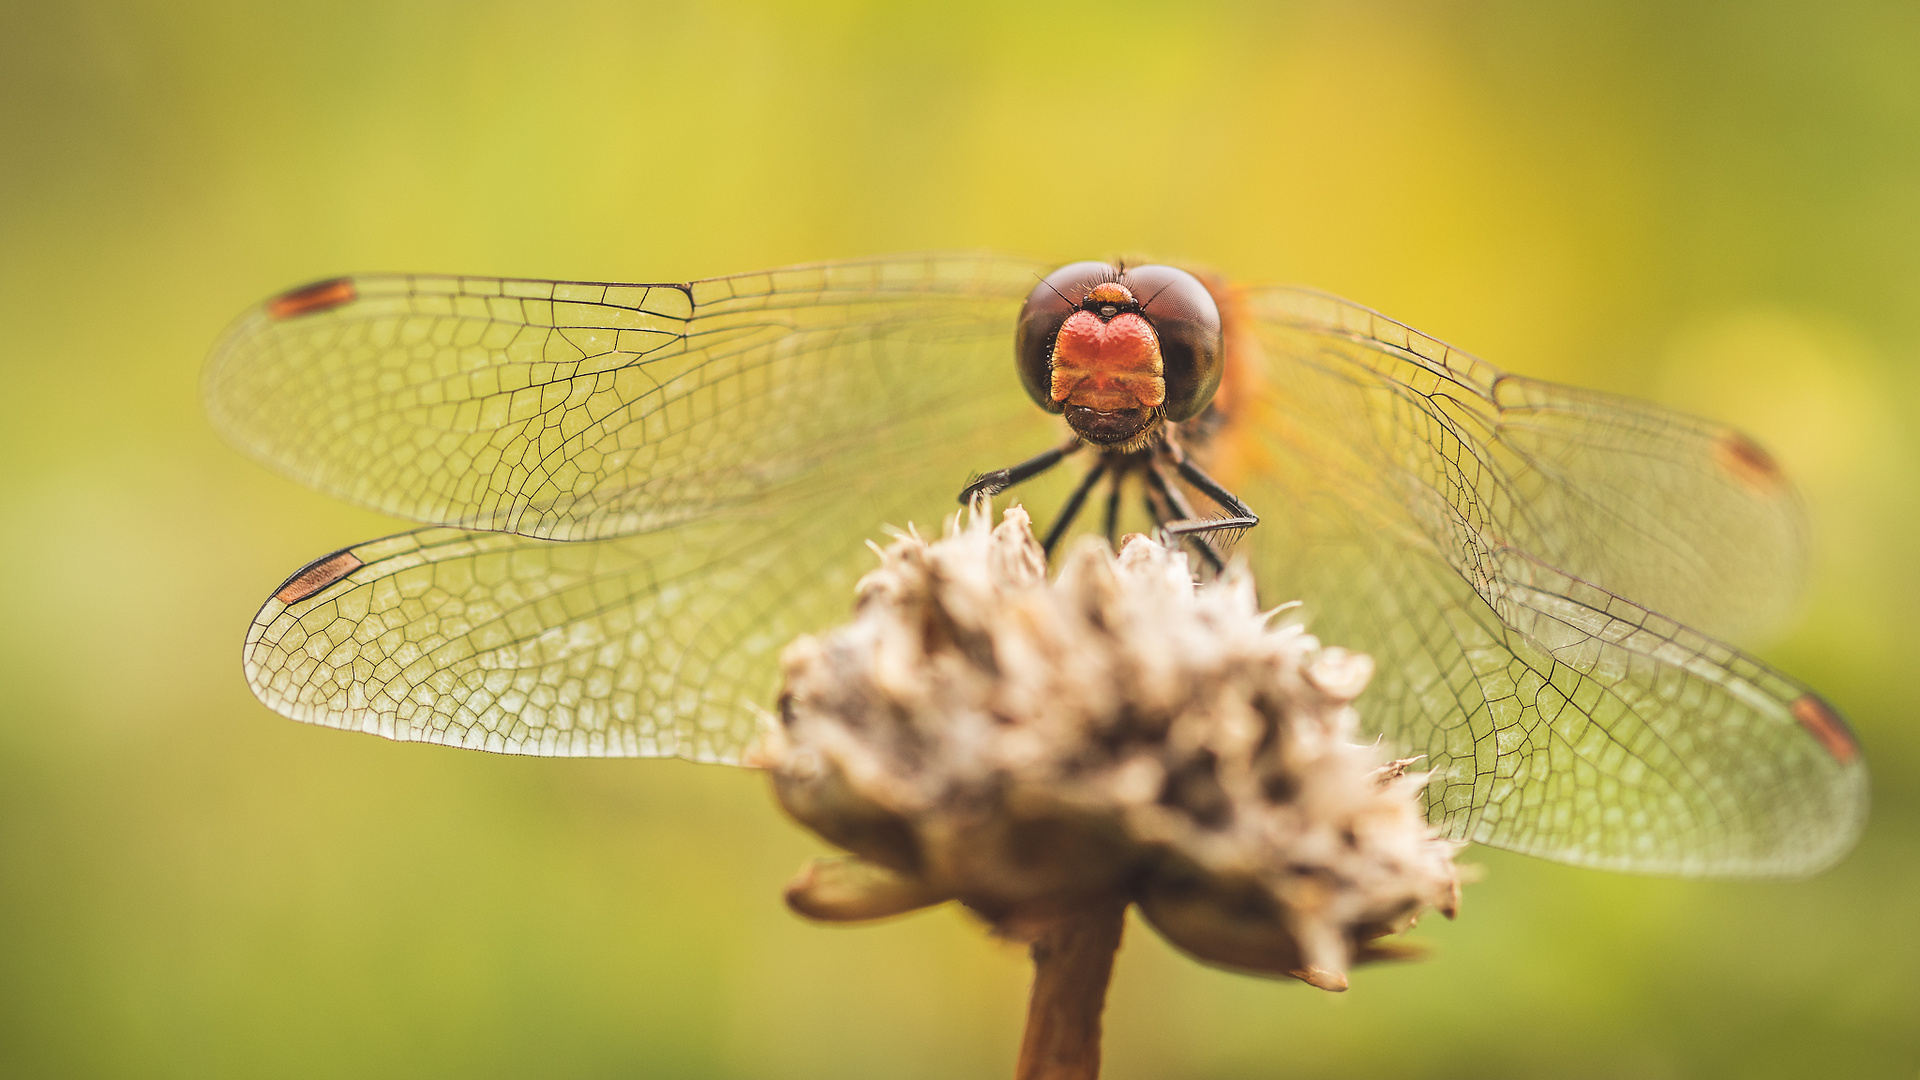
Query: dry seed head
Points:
[1036, 748]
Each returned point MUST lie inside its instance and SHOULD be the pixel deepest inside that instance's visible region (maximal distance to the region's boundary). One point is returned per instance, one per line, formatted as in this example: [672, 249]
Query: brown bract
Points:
[1039, 750]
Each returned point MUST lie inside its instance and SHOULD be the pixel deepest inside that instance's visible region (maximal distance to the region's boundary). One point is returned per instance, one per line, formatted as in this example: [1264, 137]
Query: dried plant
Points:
[1048, 753]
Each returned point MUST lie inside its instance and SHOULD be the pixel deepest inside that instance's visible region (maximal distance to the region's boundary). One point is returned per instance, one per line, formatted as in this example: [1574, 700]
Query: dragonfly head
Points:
[1118, 349]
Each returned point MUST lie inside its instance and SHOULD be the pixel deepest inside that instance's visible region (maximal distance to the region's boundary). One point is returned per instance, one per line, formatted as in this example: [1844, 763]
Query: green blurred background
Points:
[1715, 205]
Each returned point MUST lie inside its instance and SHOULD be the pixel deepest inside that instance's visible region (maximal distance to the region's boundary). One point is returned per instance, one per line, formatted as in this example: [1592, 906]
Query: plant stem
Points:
[1072, 962]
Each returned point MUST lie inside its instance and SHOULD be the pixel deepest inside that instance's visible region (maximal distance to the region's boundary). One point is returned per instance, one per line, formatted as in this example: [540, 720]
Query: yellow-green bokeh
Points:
[1716, 205]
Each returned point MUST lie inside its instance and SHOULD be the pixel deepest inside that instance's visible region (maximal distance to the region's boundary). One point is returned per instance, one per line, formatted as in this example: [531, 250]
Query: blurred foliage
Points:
[1713, 204]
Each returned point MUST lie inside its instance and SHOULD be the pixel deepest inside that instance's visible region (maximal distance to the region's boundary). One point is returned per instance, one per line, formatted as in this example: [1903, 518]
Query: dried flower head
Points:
[1035, 749]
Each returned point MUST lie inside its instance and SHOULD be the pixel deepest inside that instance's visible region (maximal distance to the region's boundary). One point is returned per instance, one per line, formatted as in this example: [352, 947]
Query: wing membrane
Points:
[1689, 517]
[1474, 531]
[720, 493]
[655, 645]
[575, 410]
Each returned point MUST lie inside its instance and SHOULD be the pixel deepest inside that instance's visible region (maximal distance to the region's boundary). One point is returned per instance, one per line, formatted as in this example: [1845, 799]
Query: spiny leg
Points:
[1243, 516]
[1160, 515]
[999, 480]
[1179, 515]
[1072, 509]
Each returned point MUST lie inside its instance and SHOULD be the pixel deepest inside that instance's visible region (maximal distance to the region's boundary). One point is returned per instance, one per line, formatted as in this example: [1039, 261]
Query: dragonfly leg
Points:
[1155, 512]
[999, 480]
[1072, 509]
[1177, 517]
[1242, 517]
[1113, 509]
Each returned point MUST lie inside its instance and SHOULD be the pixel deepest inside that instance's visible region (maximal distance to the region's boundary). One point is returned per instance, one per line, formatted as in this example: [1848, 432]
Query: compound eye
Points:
[1048, 305]
[1187, 321]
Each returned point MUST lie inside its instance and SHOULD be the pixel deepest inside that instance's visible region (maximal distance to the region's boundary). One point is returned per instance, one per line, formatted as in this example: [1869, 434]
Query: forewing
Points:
[580, 410]
[1477, 532]
[663, 642]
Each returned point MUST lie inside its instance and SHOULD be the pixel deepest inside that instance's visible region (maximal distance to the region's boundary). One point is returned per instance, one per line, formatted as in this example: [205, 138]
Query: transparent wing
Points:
[795, 414]
[577, 410]
[1481, 534]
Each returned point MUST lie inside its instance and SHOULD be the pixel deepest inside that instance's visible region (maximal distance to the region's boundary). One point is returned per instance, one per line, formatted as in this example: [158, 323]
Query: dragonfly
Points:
[631, 496]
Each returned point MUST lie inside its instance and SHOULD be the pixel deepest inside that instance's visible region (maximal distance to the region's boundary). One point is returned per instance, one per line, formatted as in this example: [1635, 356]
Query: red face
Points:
[1119, 349]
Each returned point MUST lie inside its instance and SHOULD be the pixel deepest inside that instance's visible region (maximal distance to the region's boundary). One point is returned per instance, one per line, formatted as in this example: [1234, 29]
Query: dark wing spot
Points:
[308, 299]
[317, 575]
[1825, 725]
[1748, 463]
